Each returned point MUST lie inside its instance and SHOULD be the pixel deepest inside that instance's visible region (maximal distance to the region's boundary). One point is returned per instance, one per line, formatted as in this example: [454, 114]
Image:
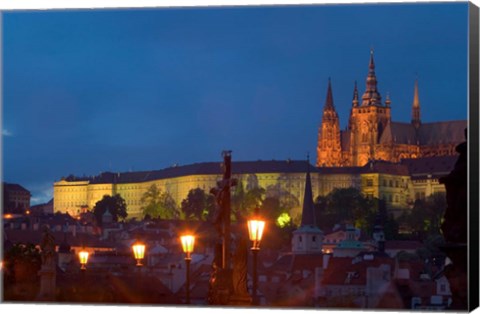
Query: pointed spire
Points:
[371, 97]
[416, 107]
[355, 96]
[416, 100]
[371, 65]
[329, 100]
[308, 211]
[387, 100]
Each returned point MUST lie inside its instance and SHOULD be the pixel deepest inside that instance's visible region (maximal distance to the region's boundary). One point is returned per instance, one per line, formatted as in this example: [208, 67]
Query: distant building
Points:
[42, 209]
[16, 199]
[372, 135]
[399, 184]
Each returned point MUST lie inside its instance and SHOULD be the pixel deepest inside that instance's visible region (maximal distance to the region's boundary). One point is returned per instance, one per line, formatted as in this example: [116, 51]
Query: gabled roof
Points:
[400, 133]
[438, 165]
[380, 166]
[442, 132]
[434, 133]
[290, 263]
[352, 271]
[14, 187]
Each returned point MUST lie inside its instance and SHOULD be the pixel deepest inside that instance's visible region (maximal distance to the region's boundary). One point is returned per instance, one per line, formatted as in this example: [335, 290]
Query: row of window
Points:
[388, 183]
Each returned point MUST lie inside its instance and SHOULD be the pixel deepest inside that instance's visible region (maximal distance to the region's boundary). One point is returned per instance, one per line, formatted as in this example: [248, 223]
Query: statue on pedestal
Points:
[47, 271]
[455, 226]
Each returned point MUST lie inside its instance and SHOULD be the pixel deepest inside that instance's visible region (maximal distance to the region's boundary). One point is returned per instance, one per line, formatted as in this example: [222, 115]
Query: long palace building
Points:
[395, 161]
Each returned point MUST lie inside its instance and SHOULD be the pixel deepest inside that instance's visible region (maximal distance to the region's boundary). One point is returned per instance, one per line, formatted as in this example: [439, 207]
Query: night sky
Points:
[88, 91]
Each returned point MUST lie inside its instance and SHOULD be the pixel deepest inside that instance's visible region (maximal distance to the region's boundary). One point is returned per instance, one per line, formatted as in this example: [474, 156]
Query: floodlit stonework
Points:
[372, 135]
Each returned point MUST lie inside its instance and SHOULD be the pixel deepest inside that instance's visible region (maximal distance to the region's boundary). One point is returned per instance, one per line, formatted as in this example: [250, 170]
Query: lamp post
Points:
[83, 257]
[255, 232]
[139, 253]
[188, 242]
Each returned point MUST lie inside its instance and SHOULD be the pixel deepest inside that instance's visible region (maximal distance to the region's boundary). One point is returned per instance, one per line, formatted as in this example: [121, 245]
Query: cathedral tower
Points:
[367, 121]
[329, 150]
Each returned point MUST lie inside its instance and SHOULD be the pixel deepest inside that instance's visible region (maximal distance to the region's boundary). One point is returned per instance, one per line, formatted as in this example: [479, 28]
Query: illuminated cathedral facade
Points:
[372, 135]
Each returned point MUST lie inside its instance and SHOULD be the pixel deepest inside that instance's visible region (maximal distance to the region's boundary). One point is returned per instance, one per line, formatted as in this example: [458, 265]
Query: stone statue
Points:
[454, 228]
[240, 268]
[47, 272]
[48, 249]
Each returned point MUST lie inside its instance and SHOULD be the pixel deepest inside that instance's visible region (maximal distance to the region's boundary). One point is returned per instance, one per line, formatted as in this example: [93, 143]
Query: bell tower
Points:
[368, 119]
[329, 150]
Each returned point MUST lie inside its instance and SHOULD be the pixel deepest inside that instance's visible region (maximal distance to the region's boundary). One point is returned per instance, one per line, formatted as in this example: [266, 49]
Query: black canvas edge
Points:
[473, 149]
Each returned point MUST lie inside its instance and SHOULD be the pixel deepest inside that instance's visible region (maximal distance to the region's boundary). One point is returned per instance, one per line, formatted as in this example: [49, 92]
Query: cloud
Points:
[6, 132]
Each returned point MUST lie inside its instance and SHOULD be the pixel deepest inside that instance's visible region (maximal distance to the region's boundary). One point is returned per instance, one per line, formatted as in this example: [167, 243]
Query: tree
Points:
[198, 205]
[426, 215]
[271, 209]
[158, 204]
[244, 201]
[114, 204]
[346, 206]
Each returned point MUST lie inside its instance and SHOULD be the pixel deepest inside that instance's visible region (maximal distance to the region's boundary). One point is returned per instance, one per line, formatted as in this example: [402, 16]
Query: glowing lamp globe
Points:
[139, 252]
[188, 241]
[83, 257]
[255, 231]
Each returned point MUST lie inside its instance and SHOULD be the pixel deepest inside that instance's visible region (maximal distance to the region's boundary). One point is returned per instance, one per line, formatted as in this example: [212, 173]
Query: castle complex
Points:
[372, 135]
[395, 161]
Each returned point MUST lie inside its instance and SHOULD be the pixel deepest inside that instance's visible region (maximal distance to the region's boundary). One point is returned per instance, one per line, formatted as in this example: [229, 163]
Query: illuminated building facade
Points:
[399, 184]
[372, 135]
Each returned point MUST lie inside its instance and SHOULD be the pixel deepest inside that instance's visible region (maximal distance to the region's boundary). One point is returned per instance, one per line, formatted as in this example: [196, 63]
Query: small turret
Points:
[387, 100]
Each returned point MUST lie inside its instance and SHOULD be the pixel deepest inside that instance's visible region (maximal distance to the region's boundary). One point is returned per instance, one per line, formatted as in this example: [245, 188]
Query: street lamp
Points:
[255, 232]
[139, 252]
[83, 257]
[188, 241]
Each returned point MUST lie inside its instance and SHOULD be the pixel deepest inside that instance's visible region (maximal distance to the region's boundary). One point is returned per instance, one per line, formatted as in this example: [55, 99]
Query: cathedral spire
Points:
[371, 97]
[329, 101]
[416, 107]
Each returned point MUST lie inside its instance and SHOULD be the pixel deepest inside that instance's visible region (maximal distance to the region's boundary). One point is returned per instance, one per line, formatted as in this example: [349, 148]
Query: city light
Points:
[255, 231]
[188, 242]
[83, 257]
[139, 252]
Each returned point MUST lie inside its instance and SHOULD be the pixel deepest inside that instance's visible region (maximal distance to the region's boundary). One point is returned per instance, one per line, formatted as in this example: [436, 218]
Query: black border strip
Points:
[473, 139]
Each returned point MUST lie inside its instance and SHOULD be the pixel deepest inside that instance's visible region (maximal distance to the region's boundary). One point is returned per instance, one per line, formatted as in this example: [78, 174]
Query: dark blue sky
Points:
[118, 90]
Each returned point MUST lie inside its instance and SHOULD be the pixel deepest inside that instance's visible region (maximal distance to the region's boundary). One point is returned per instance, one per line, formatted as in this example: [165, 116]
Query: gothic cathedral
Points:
[372, 135]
